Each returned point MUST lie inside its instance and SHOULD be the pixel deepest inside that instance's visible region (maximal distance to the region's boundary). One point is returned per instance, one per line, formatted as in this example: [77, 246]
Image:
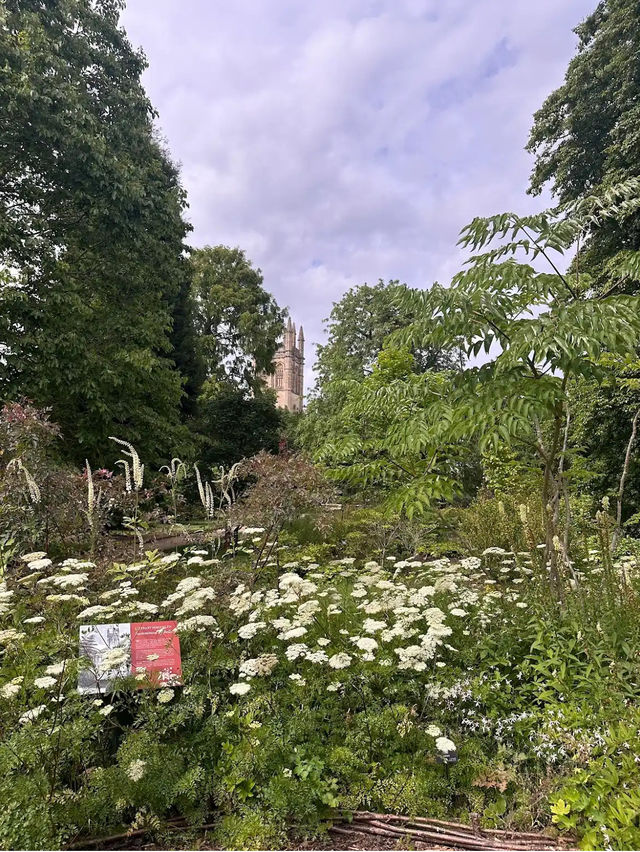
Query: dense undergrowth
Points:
[319, 684]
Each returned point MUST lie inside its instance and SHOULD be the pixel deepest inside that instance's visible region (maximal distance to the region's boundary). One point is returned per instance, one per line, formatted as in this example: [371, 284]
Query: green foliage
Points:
[510, 470]
[281, 490]
[185, 351]
[237, 321]
[233, 423]
[585, 136]
[91, 234]
[357, 328]
[42, 500]
[602, 416]
[25, 820]
[498, 522]
[391, 436]
[602, 800]
[536, 330]
[410, 433]
[249, 830]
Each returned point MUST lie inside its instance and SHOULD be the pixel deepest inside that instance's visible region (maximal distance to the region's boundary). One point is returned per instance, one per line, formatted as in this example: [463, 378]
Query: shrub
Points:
[498, 522]
[602, 800]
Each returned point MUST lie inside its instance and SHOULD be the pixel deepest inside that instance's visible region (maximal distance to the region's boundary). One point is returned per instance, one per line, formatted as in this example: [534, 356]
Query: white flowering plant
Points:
[347, 684]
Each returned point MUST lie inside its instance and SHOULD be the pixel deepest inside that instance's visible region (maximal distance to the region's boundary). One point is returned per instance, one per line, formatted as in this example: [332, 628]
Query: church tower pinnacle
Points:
[288, 378]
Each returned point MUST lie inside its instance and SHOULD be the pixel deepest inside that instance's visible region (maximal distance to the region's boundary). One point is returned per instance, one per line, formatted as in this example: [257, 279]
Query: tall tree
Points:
[357, 329]
[586, 136]
[237, 325]
[235, 423]
[238, 322]
[548, 333]
[184, 346]
[91, 230]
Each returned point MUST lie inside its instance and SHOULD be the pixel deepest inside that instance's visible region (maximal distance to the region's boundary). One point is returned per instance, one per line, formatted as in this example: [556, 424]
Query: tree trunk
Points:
[625, 470]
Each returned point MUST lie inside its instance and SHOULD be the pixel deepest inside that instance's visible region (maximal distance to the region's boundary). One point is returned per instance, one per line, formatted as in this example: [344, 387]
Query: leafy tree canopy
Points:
[601, 422]
[357, 328]
[91, 231]
[376, 443]
[547, 329]
[235, 423]
[586, 136]
[237, 321]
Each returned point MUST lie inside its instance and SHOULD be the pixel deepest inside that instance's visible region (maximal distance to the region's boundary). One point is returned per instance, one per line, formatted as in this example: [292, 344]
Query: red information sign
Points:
[155, 649]
[148, 650]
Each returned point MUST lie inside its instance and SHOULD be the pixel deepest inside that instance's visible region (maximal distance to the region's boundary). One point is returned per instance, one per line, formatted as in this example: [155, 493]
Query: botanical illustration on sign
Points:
[148, 651]
[107, 647]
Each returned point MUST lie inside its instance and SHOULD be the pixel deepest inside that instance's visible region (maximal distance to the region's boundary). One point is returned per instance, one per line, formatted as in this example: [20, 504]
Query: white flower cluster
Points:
[313, 622]
[259, 667]
[137, 770]
[198, 624]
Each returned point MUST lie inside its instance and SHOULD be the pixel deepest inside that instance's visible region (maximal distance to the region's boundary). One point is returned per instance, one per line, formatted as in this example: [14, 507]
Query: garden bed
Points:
[366, 830]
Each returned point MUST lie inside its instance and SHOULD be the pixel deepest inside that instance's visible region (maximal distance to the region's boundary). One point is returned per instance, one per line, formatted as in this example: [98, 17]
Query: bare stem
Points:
[625, 470]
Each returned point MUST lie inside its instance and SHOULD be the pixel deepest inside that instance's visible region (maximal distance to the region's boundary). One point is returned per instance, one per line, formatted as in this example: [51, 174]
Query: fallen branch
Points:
[429, 821]
[454, 835]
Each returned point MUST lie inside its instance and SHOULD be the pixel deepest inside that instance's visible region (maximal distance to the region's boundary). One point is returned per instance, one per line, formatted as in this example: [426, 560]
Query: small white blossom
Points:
[248, 631]
[445, 745]
[165, 696]
[137, 769]
[45, 682]
[10, 635]
[12, 688]
[35, 557]
[366, 644]
[340, 661]
[31, 715]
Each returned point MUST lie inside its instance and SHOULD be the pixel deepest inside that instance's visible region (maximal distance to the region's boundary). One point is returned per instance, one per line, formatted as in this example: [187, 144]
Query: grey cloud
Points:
[347, 140]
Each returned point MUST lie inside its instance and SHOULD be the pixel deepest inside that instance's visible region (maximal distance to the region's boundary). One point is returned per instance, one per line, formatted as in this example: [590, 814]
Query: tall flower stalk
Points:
[176, 471]
[206, 494]
[32, 488]
[225, 484]
[93, 502]
[133, 478]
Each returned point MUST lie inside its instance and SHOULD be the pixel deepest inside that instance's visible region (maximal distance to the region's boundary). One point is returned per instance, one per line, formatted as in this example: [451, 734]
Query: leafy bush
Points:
[512, 523]
[42, 502]
[604, 797]
[426, 687]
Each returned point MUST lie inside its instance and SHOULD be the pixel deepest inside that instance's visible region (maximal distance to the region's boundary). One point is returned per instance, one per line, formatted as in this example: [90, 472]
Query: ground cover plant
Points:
[441, 687]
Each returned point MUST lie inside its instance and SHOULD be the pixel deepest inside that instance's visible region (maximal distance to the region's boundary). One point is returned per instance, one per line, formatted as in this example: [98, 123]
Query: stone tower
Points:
[288, 378]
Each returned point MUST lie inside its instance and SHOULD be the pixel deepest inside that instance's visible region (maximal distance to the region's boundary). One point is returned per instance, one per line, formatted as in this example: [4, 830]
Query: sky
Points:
[342, 141]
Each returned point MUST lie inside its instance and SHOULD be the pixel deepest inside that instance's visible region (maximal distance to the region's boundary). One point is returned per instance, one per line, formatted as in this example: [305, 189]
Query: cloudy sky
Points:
[342, 141]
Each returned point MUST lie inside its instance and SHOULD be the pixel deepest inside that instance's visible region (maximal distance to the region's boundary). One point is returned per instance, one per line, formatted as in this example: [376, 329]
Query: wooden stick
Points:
[458, 835]
[461, 841]
[428, 821]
